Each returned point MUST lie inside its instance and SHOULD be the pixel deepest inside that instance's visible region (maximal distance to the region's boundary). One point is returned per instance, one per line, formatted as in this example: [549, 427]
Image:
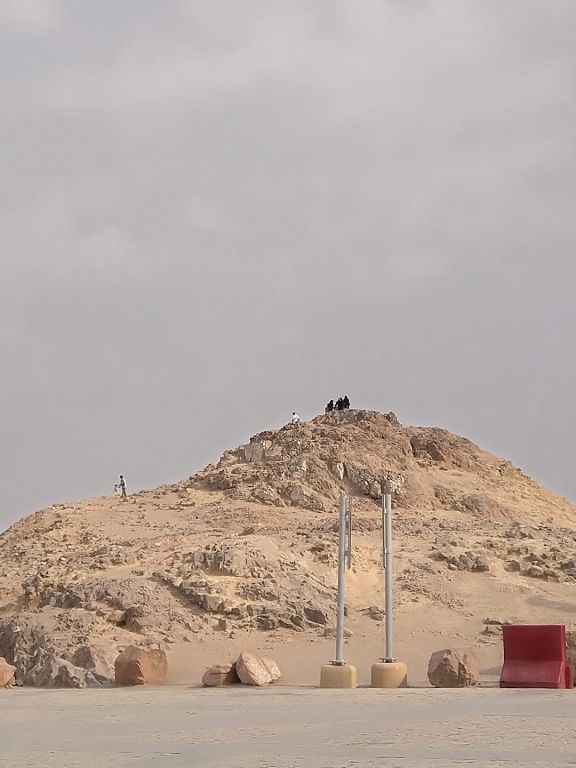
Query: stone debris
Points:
[141, 666]
[453, 668]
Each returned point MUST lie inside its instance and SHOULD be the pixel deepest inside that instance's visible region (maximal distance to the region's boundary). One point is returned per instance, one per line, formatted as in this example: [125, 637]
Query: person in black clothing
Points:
[339, 404]
[346, 402]
[330, 407]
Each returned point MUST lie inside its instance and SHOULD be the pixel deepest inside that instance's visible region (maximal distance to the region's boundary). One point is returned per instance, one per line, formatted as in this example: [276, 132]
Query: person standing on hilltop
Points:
[330, 407]
[339, 404]
[295, 418]
[346, 402]
[122, 485]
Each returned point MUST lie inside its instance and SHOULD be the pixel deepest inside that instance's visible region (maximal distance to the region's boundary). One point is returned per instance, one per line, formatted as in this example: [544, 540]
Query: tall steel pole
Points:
[341, 583]
[388, 600]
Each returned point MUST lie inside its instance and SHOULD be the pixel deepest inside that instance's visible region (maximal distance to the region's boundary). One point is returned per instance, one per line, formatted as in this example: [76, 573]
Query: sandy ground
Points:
[286, 728]
[300, 655]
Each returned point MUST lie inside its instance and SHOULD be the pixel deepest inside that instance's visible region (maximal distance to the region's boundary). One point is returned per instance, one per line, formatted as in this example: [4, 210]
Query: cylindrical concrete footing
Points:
[338, 676]
[389, 674]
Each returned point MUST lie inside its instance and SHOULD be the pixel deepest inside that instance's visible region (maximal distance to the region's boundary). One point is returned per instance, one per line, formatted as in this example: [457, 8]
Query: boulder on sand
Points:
[141, 666]
[272, 668]
[453, 668]
[7, 672]
[255, 671]
[220, 674]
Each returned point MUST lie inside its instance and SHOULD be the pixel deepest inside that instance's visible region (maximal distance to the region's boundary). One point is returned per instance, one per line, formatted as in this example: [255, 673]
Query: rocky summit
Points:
[245, 551]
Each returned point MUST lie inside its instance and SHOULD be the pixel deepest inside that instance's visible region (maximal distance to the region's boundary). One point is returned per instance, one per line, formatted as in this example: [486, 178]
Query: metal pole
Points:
[341, 579]
[388, 573]
[349, 522]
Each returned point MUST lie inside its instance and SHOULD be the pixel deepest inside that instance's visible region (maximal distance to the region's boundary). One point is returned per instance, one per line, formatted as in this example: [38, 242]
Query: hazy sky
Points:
[214, 213]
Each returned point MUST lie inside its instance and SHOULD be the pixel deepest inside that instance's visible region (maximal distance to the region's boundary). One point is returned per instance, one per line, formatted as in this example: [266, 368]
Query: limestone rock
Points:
[141, 666]
[272, 668]
[252, 670]
[453, 668]
[220, 674]
[7, 679]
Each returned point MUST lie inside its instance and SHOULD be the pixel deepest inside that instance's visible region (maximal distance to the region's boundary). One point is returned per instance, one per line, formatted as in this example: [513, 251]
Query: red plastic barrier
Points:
[535, 656]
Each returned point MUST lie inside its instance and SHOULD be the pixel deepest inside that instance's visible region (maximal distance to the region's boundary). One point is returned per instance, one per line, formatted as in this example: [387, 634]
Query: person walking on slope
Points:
[122, 486]
[295, 418]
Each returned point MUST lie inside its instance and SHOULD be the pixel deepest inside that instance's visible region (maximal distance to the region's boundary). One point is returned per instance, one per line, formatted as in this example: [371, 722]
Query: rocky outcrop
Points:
[39, 660]
[52, 671]
[453, 668]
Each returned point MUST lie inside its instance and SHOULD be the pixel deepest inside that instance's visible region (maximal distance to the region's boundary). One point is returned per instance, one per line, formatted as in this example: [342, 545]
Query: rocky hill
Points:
[244, 552]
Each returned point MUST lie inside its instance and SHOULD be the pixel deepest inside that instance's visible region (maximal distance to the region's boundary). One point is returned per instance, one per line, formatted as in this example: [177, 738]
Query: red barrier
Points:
[535, 656]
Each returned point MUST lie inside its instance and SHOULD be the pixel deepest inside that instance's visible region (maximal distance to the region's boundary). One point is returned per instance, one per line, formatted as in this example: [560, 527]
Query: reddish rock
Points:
[141, 666]
[453, 668]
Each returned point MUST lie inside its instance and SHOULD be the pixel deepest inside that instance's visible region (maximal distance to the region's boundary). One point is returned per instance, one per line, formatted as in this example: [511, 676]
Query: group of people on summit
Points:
[342, 404]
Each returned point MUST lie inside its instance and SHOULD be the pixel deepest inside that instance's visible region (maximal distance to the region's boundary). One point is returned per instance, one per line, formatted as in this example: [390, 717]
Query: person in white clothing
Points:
[295, 418]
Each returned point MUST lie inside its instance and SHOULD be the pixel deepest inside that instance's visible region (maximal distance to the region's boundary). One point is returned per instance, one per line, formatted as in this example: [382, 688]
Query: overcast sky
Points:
[214, 213]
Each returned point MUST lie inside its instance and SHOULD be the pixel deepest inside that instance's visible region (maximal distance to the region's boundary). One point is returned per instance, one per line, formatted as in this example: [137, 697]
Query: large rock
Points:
[453, 668]
[99, 661]
[55, 672]
[220, 674]
[253, 670]
[141, 666]
[7, 671]
[272, 668]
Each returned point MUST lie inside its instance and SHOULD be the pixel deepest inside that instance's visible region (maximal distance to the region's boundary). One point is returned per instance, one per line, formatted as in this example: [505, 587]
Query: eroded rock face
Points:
[453, 668]
[141, 666]
[220, 674]
[52, 671]
[98, 660]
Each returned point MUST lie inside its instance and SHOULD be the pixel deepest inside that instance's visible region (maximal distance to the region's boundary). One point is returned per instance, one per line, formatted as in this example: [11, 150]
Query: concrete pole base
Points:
[389, 674]
[338, 676]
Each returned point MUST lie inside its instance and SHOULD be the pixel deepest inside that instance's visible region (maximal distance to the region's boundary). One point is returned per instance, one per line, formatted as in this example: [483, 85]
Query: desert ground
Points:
[287, 728]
